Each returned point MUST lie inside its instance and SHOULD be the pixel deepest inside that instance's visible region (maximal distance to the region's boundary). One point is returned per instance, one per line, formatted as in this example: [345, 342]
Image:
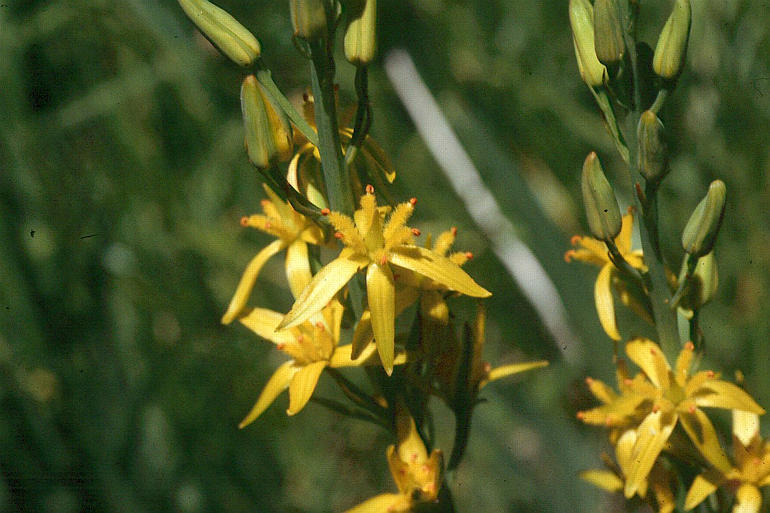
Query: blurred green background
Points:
[122, 180]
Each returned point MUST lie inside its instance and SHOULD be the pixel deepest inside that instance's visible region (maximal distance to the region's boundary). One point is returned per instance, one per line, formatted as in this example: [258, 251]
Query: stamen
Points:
[338, 235]
[454, 231]
[413, 201]
[689, 346]
[652, 351]
[268, 225]
[589, 380]
[628, 381]
[691, 409]
[468, 255]
[245, 221]
[609, 420]
[280, 345]
[384, 260]
[325, 211]
[416, 232]
[370, 189]
[710, 374]
[264, 203]
[580, 415]
[575, 240]
[319, 325]
[568, 255]
[656, 408]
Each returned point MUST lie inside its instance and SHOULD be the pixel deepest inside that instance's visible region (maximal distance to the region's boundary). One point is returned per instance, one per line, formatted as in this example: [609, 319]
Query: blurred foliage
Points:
[122, 179]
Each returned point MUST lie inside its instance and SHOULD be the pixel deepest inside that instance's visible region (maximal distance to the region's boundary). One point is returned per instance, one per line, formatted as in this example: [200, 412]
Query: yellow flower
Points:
[376, 246]
[750, 472]
[677, 397]
[419, 476]
[595, 252]
[312, 347]
[293, 232]
[613, 480]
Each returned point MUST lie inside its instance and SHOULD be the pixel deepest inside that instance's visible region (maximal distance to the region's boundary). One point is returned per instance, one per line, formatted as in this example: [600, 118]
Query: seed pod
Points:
[671, 50]
[703, 283]
[653, 154]
[608, 32]
[268, 131]
[702, 229]
[224, 31]
[361, 33]
[601, 205]
[308, 17]
[581, 18]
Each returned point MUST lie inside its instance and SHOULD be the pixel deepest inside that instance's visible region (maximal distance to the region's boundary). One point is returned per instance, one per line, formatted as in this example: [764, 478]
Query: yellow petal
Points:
[649, 357]
[623, 240]
[437, 268]
[277, 383]
[303, 384]
[603, 479]
[601, 390]
[362, 335]
[704, 485]
[721, 394]
[682, 366]
[509, 370]
[297, 267]
[322, 288]
[263, 322]
[624, 450]
[342, 357]
[383, 503]
[381, 294]
[748, 499]
[245, 286]
[703, 435]
[652, 435]
[745, 426]
[661, 486]
[605, 304]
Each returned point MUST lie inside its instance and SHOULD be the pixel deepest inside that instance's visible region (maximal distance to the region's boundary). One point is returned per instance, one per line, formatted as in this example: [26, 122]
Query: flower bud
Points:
[671, 49]
[224, 31]
[268, 131]
[653, 154]
[308, 17]
[703, 282]
[701, 230]
[361, 33]
[601, 205]
[581, 18]
[608, 32]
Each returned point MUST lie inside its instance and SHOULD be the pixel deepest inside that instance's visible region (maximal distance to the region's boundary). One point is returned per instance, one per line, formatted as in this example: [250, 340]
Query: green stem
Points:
[265, 78]
[358, 396]
[343, 409]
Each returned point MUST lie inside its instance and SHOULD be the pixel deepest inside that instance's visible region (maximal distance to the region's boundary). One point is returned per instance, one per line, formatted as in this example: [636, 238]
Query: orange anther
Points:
[383, 260]
[656, 408]
[245, 221]
[300, 338]
[580, 415]
[413, 201]
[416, 232]
[689, 346]
[468, 255]
[628, 381]
[608, 421]
[453, 230]
[575, 240]
[268, 225]
[338, 235]
[589, 380]
[710, 374]
[370, 189]
[325, 211]
[319, 325]
[568, 255]
[280, 345]
[691, 409]
[264, 202]
[487, 367]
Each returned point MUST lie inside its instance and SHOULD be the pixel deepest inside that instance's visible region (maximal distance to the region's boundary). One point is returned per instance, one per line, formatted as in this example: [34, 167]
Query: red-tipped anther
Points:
[319, 325]
[689, 346]
[691, 409]
[575, 240]
[280, 345]
[757, 461]
[370, 189]
[413, 201]
[589, 380]
[656, 408]
[609, 420]
[245, 221]
[300, 338]
[487, 367]
[268, 225]
[580, 415]
[338, 235]
[568, 255]
[710, 374]
[453, 231]
[628, 381]
[325, 211]
[468, 255]
[383, 260]
[264, 202]
[652, 351]
[416, 232]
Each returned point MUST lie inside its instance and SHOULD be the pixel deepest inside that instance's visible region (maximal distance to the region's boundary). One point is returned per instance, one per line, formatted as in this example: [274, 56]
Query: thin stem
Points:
[343, 409]
[684, 282]
[620, 262]
[358, 396]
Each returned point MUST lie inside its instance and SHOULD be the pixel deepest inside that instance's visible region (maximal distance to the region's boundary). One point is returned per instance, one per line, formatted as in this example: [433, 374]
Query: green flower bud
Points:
[703, 282]
[361, 33]
[224, 31]
[268, 131]
[671, 49]
[653, 154]
[608, 32]
[308, 17]
[601, 205]
[581, 18]
[701, 231]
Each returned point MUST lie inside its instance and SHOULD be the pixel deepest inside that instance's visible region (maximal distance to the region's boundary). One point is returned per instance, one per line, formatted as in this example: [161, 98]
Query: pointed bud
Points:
[653, 154]
[268, 131]
[308, 17]
[608, 32]
[703, 283]
[361, 33]
[601, 205]
[224, 31]
[701, 231]
[581, 18]
[671, 49]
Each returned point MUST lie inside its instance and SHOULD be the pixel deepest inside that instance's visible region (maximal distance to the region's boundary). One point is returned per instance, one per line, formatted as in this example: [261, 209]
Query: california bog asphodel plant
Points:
[657, 419]
[327, 187]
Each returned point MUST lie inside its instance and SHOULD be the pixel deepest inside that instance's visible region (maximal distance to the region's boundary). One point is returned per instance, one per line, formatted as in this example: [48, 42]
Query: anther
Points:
[487, 367]
[383, 260]
[245, 221]
[691, 409]
[568, 255]
[652, 351]
[416, 232]
[468, 255]
[413, 201]
[319, 325]
[575, 240]
[268, 225]
[338, 235]
[689, 346]
[580, 415]
[453, 230]
[628, 381]
[325, 211]
[656, 408]
[710, 373]
[589, 380]
[370, 189]
[280, 345]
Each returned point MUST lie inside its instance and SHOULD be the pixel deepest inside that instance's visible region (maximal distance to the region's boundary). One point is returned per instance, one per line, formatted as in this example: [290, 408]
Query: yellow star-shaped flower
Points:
[595, 252]
[377, 246]
[750, 472]
[293, 232]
